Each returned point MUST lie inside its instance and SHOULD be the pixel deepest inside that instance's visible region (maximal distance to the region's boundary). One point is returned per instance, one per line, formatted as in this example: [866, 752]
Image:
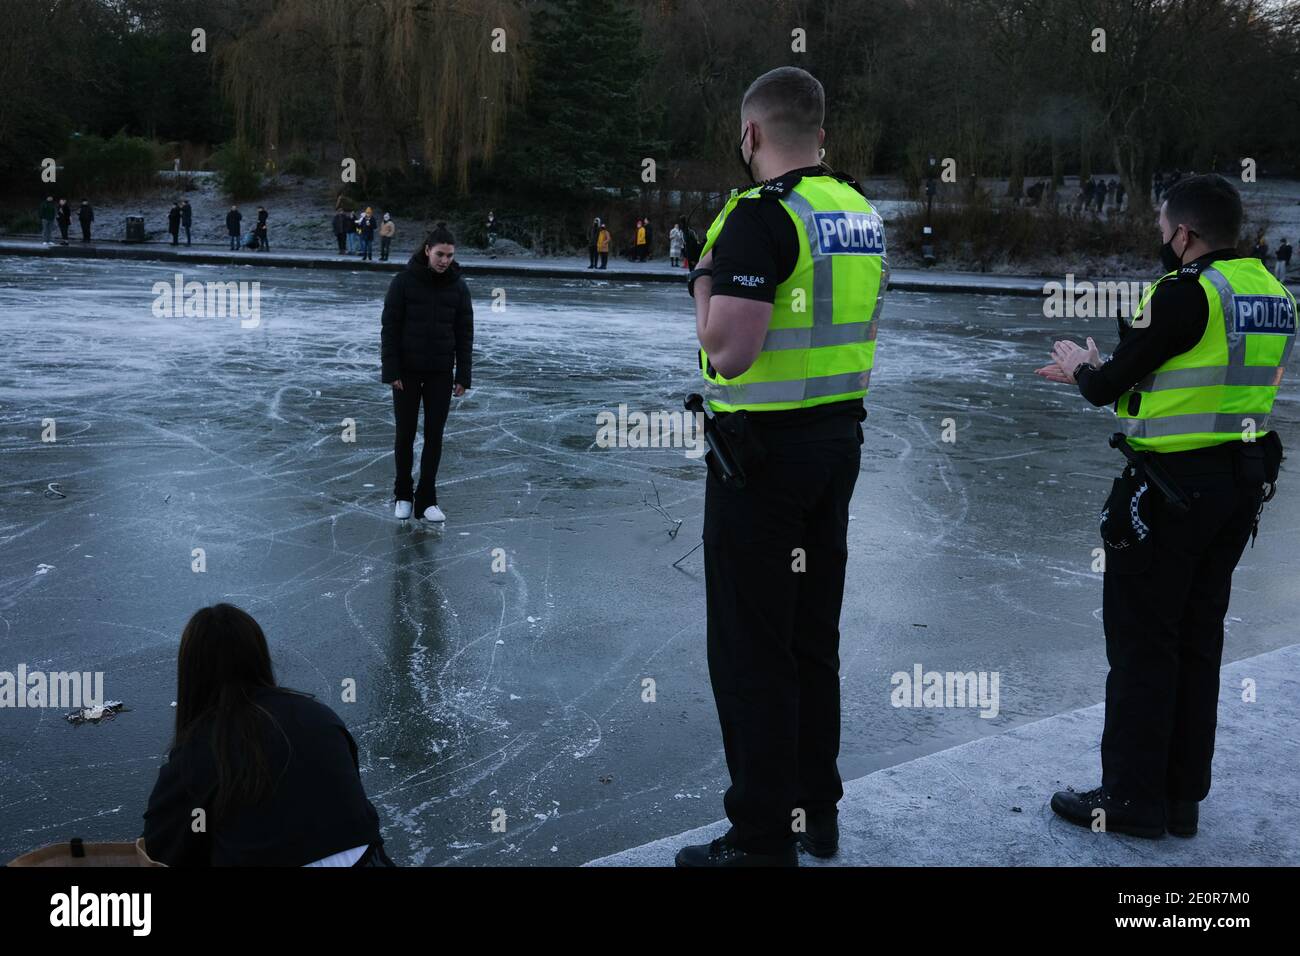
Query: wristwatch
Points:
[692, 276]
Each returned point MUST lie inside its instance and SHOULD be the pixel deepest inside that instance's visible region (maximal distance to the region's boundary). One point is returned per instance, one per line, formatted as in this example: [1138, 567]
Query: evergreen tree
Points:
[584, 124]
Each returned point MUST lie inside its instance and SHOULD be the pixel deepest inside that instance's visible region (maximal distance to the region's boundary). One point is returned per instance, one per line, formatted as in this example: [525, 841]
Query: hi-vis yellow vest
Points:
[1222, 389]
[821, 342]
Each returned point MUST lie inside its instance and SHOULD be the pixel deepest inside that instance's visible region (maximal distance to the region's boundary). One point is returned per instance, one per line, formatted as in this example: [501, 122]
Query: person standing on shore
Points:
[86, 216]
[491, 228]
[233, 226]
[638, 248]
[1192, 382]
[603, 241]
[260, 230]
[1260, 249]
[691, 245]
[64, 217]
[174, 222]
[785, 315]
[187, 218]
[47, 212]
[426, 347]
[1283, 260]
[592, 238]
[386, 233]
[354, 233]
[649, 240]
[342, 223]
[675, 240]
[367, 226]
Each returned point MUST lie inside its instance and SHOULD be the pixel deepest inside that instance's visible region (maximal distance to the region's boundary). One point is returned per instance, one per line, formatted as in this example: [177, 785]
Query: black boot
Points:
[1181, 817]
[1119, 816]
[822, 838]
[722, 853]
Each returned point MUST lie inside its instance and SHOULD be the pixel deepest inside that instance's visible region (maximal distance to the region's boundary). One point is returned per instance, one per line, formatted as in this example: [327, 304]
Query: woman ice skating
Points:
[426, 343]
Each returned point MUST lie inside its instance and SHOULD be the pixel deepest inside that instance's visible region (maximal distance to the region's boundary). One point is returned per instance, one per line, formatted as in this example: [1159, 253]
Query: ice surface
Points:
[519, 690]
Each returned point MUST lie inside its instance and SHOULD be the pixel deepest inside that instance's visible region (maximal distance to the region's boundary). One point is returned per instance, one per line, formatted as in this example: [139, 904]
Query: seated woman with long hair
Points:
[274, 771]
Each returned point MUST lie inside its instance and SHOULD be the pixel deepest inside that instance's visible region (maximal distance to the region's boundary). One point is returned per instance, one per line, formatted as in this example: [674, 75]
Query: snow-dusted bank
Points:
[984, 803]
[908, 280]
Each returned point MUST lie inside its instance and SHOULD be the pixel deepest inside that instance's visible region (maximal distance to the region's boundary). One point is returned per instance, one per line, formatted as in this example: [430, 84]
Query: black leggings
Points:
[434, 390]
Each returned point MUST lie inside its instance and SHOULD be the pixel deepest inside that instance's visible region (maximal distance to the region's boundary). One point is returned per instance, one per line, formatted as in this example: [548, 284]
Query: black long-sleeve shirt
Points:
[1178, 311]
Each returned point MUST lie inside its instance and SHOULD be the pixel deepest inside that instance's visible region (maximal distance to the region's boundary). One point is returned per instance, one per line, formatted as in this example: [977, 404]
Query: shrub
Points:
[984, 233]
[120, 164]
[237, 170]
[299, 164]
[23, 223]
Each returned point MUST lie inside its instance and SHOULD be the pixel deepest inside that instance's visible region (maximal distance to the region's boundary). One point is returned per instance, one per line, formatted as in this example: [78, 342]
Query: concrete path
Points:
[984, 803]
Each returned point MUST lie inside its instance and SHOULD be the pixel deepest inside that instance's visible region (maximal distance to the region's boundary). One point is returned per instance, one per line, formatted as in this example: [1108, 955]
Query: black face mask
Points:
[1170, 260]
[747, 165]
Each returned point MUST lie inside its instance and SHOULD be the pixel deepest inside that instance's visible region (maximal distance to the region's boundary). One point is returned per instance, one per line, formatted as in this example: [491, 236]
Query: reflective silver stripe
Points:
[1236, 372]
[823, 291]
[765, 393]
[821, 336]
[1213, 375]
[884, 279]
[1236, 340]
[1290, 339]
[1200, 422]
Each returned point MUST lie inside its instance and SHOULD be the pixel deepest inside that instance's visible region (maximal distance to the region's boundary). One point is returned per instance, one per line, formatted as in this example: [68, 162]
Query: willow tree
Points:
[392, 81]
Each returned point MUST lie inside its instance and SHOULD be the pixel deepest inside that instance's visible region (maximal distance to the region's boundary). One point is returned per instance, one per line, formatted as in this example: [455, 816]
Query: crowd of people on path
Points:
[355, 232]
[1277, 261]
[61, 212]
[683, 243]
[180, 217]
[1094, 195]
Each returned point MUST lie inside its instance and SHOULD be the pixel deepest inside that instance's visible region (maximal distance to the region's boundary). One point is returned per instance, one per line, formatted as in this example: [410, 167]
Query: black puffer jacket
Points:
[428, 323]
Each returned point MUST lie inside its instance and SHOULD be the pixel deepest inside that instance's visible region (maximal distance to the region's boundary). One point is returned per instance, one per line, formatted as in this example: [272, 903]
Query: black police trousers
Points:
[1164, 631]
[773, 629]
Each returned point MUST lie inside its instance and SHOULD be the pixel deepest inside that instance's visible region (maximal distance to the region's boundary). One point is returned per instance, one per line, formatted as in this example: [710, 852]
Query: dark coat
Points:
[187, 215]
[318, 807]
[428, 322]
[64, 214]
[47, 211]
[85, 213]
[367, 227]
[342, 223]
[233, 219]
[173, 219]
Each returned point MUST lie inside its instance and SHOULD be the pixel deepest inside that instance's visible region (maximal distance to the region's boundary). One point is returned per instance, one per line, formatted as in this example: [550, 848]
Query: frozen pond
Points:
[519, 689]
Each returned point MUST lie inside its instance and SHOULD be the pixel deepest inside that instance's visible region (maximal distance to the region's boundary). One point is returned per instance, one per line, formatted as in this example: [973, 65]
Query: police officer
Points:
[787, 294]
[1193, 381]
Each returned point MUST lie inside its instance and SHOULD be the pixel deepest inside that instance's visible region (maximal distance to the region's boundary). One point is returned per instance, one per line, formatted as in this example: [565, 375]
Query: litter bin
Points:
[135, 228]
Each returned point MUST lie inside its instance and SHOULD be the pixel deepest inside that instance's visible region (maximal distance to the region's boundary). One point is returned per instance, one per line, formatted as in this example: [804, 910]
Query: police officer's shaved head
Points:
[1210, 206]
[789, 104]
